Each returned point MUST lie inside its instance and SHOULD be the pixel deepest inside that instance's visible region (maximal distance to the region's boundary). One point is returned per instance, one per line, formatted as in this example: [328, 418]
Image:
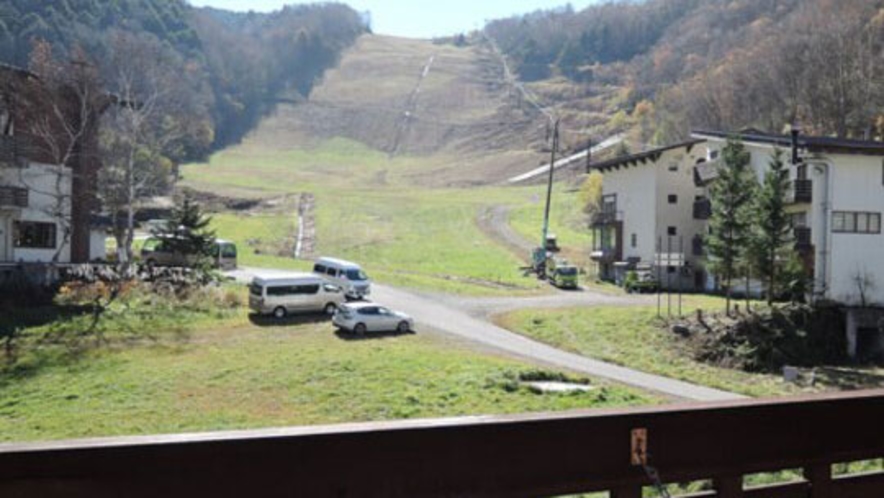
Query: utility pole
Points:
[552, 168]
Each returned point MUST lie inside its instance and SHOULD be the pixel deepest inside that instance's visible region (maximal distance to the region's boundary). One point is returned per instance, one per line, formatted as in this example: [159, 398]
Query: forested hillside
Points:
[231, 65]
[677, 64]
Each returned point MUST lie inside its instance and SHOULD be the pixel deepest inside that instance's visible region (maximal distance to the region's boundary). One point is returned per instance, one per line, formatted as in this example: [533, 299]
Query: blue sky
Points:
[418, 19]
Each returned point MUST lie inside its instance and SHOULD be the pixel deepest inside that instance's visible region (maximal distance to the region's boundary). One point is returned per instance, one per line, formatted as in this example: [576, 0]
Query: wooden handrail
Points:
[524, 455]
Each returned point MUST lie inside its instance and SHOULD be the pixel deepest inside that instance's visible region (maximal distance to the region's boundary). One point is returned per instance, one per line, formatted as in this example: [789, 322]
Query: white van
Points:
[297, 292]
[349, 276]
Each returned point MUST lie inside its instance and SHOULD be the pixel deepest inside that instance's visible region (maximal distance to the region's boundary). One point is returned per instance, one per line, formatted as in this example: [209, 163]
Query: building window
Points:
[673, 199]
[671, 231]
[634, 240]
[713, 155]
[673, 166]
[32, 235]
[856, 222]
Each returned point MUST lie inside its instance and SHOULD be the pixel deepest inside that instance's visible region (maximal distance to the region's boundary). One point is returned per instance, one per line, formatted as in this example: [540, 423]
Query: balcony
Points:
[698, 247]
[801, 192]
[605, 217]
[9, 149]
[803, 239]
[13, 197]
[607, 255]
[702, 209]
[505, 456]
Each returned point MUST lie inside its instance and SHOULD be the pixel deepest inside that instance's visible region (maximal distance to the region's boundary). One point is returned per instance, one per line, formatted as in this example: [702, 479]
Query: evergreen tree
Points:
[729, 226]
[187, 232]
[772, 233]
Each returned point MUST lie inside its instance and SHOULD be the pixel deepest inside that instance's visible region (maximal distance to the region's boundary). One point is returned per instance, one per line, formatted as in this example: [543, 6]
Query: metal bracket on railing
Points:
[639, 447]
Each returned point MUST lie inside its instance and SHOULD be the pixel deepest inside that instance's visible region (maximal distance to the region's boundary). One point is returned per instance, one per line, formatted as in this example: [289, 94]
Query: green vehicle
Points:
[640, 281]
[561, 274]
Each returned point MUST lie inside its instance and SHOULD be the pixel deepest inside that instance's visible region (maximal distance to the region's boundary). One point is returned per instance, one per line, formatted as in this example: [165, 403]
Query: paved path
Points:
[466, 318]
[445, 318]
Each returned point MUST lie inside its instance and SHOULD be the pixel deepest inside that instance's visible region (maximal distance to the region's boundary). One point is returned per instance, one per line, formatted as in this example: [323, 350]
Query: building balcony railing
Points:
[13, 197]
[9, 149]
[605, 255]
[803, 238]
[606, 217]
[507, 456]
[801, 192]
[702, 209]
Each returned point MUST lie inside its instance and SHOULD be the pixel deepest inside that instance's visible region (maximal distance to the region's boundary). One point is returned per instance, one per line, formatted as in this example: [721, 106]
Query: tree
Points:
[590, 194]
[731, 197]
[138, 131]
[772, 235]
[62, 107]
[187, 232]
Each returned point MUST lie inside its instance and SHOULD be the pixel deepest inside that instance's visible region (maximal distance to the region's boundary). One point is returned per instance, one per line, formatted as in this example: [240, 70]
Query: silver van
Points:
[156, 252]
[345, 274]
[294, 293]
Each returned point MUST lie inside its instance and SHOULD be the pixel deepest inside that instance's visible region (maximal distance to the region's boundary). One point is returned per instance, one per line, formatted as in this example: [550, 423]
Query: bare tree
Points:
[61, 105]
[136, 133]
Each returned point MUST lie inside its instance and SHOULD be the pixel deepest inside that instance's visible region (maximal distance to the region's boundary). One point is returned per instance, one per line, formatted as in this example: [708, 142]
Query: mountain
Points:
[659, 67]
[232, 64]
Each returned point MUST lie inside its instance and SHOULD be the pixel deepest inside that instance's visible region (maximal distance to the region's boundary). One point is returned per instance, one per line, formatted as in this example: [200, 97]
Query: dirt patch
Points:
[494, 222]
[214, 202]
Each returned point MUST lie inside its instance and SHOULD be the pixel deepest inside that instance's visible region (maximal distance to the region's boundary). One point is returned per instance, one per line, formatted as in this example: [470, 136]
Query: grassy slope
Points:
[242, 375]
[634, 337]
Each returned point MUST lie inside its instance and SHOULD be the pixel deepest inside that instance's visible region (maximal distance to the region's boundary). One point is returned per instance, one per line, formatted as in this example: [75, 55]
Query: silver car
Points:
[370, 317]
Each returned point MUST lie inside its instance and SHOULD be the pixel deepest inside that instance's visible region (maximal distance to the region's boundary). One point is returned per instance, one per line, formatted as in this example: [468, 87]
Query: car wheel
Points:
[403, 327]
[279, 312]
[330, 309]
[359, 329]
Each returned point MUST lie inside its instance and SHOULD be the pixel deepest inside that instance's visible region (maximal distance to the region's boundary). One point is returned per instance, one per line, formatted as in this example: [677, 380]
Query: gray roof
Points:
[810, 143]
[643, 157]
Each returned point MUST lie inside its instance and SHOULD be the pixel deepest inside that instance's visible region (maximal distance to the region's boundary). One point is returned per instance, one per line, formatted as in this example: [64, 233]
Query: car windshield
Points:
[568, 271]
[355, 274]
[256, 289]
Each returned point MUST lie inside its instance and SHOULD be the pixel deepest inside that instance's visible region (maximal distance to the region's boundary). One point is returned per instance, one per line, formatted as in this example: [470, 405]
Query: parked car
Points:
[371, 317]
[640, 281]
[156, 252]
[345, 274]
[296, 292]
[561, 274]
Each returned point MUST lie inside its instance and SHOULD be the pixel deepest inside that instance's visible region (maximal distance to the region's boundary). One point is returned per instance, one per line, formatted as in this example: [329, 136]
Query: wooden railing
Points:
[520, 456]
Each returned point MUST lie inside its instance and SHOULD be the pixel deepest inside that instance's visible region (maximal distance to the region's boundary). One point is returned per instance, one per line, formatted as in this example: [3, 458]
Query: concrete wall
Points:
[45, 192]
[636, 192]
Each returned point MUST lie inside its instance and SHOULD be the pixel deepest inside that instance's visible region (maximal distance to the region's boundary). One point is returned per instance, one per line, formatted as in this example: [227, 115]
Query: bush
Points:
[765, 341]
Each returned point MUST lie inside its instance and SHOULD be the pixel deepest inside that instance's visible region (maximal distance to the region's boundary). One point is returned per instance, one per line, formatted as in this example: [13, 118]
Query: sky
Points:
[416, 18]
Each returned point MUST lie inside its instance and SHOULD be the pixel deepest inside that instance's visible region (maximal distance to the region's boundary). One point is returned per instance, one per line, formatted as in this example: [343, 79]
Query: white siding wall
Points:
[681, 184]
[857, 185]
[97, 245]
[636, 191]
[40, 180]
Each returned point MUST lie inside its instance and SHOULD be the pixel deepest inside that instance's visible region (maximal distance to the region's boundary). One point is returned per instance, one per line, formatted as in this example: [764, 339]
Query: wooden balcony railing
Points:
[13, 197]
[519, 456]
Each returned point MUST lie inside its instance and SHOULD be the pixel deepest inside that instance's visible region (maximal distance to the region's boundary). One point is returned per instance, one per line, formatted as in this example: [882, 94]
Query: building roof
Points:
[643, 157]
[809, 143]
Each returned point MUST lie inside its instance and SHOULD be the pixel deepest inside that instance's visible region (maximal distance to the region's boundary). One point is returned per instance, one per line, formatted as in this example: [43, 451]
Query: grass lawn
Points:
[402, 234]
[238, 374]
[634, 337]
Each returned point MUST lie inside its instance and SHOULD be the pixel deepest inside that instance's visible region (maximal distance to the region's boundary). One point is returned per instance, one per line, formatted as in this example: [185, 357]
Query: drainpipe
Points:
[823, 268]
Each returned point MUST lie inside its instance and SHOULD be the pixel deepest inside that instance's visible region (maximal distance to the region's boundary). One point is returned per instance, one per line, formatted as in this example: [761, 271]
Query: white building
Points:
[837, 200]
[45, 209]
[652, 212]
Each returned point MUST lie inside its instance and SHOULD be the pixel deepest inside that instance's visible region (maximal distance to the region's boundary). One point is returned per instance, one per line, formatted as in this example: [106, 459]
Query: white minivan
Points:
[348, 275]
[293, 293]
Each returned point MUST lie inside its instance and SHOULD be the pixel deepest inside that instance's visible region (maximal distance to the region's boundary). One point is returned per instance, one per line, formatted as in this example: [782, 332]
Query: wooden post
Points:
[820, 477]
[730, 486]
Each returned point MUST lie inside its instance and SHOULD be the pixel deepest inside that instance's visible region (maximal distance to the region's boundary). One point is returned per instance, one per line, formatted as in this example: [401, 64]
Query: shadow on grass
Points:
[346, 335]
[845, 378]
[288, 321]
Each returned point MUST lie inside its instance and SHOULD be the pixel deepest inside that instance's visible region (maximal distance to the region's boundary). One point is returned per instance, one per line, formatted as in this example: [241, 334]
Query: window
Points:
[673, 166]
[713, 155]
[332, 272]
[307, 289]
[6, 128]
[319, 268]
[673, 199]
[32, 235]
[856, 222]
[634, 240]
[672, 231]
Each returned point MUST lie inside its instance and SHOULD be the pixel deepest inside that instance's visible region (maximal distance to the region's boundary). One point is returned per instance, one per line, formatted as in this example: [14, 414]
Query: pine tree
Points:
[729, 225]
[187, 232]
[772, 234]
